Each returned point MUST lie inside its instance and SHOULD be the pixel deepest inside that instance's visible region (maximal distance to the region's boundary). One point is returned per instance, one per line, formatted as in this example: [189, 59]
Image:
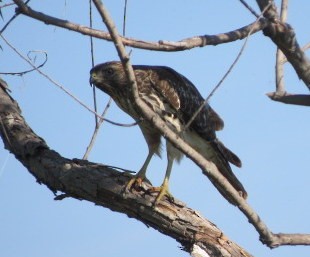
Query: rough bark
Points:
[104, 186]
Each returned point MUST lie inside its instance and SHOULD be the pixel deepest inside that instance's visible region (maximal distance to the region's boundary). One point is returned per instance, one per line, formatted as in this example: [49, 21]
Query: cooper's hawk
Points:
[175, 99]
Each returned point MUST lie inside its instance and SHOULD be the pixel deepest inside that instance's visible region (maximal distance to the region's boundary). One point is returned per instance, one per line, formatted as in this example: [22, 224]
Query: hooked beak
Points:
[92, 79]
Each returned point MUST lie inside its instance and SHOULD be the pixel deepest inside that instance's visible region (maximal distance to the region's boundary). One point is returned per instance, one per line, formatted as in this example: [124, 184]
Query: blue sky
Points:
[270, 138]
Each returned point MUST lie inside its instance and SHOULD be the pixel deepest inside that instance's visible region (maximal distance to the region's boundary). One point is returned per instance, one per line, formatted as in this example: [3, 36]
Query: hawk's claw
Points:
[162, 191]
[135, 182]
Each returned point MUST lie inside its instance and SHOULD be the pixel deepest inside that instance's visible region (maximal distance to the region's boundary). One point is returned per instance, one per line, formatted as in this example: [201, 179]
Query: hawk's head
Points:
[109, 77]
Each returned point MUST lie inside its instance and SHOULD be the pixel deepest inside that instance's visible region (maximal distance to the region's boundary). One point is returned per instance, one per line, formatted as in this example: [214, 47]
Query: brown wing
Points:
[186, 99]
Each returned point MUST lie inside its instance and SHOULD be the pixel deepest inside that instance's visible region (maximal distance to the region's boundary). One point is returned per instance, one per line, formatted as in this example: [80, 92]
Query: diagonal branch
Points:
[104, 186]
[161, 45]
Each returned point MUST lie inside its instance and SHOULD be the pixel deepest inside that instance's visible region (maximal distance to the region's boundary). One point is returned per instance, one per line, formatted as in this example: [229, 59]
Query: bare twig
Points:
[6, 5]
[280, 86]
[94, 136]
[124, 18]
[92, 57]
[225, 75]
[12, 18]
[9, 22]
[99, 123]
[249, 8]
[20, 73]
[61, 87]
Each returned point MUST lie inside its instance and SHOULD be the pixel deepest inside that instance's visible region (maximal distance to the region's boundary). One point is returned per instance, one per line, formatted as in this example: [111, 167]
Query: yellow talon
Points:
[163, 190]
[134, 182]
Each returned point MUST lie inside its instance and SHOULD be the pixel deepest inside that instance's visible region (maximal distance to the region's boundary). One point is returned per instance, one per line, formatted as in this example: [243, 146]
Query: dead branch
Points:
[288, 98]
[161, 45]
[280, 86]
[104, 186]
[283, 35]
[21, 73]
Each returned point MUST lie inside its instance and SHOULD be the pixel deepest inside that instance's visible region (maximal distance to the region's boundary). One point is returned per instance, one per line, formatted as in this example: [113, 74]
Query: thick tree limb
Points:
[104, 186]
[161, 45]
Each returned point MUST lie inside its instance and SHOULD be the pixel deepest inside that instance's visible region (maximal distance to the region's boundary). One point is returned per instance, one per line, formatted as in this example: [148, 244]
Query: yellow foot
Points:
[162, 191]
[135, 182]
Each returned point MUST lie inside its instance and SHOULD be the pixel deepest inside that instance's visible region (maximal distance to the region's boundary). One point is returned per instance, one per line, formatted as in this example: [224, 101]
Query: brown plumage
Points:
[175, 99]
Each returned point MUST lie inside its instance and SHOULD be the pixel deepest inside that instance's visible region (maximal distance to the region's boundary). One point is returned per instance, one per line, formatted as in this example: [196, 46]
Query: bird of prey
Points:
[175, 99]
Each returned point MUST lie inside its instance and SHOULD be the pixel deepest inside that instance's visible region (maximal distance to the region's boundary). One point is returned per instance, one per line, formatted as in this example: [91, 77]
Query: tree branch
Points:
[104, 186]
[280, 86]
[288, 98]
[161, 45]
[283, 35]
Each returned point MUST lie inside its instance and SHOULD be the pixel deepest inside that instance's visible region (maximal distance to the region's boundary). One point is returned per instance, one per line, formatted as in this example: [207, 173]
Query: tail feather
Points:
[222, 157]
[216, 152]
[228, 155]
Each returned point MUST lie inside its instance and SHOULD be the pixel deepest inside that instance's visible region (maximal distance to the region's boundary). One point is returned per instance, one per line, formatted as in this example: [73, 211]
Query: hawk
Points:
[175, 99]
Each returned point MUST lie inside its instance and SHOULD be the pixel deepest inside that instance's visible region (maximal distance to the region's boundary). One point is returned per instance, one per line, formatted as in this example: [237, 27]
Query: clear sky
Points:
[272, 139]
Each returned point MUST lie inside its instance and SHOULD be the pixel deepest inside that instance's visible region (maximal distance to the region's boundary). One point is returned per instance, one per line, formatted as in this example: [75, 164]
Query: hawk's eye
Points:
[108, 72]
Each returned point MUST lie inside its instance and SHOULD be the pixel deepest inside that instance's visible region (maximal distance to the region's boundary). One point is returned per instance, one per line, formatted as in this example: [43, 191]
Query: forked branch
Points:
[283, 35]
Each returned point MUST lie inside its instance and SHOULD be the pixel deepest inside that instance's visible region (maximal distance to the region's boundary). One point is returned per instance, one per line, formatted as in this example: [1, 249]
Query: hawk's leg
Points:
[140, 176]
[163, 190]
